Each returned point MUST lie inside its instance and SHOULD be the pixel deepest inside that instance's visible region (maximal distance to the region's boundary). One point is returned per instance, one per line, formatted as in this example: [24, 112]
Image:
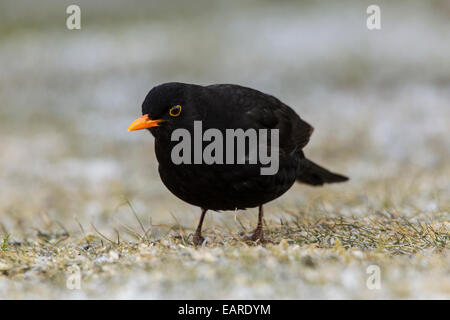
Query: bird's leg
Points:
[258, 234]
[198, 239]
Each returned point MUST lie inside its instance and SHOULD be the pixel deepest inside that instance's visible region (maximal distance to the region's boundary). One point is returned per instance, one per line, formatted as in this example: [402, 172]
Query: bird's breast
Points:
[225, 186]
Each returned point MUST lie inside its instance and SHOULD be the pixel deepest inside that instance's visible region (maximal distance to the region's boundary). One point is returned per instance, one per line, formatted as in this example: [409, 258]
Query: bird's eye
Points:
[175, 111]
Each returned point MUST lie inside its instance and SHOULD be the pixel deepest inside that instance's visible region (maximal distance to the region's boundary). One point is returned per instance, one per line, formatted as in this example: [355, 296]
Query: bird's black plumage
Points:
[227, 106]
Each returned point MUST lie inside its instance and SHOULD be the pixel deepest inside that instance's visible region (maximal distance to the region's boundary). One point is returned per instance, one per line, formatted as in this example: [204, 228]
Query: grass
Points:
[327, 256]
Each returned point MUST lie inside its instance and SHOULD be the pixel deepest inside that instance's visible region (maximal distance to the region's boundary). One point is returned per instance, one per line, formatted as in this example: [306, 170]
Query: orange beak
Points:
[143, 122]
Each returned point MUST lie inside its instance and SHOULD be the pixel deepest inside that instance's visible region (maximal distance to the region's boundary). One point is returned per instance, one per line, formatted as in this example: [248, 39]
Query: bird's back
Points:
[255, 109]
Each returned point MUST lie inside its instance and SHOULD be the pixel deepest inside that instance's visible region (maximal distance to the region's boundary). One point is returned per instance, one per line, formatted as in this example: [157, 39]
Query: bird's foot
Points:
[257, 236]
[198, 239]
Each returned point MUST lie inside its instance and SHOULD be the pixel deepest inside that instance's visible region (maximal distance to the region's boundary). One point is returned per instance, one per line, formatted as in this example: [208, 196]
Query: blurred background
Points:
[379, 102]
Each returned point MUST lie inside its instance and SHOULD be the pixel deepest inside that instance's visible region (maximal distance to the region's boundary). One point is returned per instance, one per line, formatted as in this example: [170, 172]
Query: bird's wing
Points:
[260, 110]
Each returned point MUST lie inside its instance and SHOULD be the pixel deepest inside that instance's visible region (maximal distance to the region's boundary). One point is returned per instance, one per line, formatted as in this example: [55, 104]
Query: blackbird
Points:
[228, 186]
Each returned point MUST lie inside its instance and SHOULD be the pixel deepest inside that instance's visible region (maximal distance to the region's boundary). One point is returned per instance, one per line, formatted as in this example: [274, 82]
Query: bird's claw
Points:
[198, 239]
[257, 236]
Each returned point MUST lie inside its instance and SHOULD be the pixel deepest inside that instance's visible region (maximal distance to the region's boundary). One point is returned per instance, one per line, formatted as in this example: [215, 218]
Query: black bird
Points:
[219, 186]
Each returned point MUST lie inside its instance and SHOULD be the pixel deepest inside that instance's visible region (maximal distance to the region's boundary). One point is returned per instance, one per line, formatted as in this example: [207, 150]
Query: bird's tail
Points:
[310, 173]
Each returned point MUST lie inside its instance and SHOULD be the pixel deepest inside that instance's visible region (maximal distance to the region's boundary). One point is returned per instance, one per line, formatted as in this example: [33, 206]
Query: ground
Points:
[81, 196]
[321, 249]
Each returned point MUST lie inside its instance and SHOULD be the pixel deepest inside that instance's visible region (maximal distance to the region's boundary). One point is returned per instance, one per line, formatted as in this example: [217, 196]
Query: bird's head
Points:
[165, 108]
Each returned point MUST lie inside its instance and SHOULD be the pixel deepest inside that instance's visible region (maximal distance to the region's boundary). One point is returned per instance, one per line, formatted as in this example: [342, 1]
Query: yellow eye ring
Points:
[175, 111]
